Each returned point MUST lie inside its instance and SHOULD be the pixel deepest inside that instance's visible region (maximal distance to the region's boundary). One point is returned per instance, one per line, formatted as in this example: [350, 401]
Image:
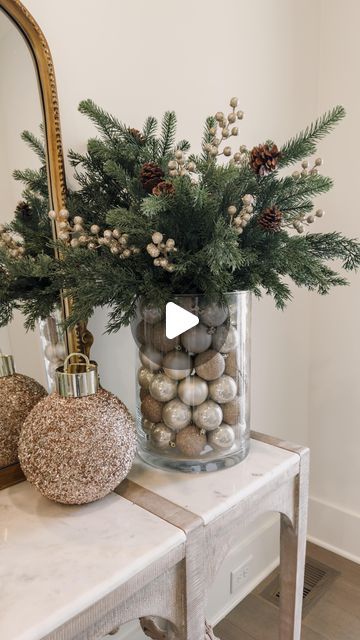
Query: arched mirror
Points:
[32, 184]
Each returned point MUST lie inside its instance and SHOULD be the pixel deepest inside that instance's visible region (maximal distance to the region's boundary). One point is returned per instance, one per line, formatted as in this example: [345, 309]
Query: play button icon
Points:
[178, 320]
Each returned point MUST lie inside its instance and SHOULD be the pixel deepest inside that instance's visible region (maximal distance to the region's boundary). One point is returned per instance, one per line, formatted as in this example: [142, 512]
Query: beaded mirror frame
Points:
[78, 339]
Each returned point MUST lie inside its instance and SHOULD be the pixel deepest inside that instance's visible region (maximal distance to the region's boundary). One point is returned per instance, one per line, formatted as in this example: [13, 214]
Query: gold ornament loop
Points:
[68, 364]
[83, 381]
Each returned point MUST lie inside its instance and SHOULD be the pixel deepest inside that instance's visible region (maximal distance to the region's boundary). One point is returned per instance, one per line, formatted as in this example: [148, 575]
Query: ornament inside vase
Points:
[193, 398]
[79, 443]
[18, 395]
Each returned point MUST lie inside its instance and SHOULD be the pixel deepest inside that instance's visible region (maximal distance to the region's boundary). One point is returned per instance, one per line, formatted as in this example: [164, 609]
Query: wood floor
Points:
[335, 616]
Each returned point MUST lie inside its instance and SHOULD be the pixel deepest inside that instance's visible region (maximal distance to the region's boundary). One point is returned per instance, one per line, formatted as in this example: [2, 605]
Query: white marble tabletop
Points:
[210, 494]
[57, 560]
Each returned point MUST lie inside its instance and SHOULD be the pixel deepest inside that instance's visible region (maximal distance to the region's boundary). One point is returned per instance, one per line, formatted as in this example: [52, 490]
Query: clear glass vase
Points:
[192, 405]
[53, 345]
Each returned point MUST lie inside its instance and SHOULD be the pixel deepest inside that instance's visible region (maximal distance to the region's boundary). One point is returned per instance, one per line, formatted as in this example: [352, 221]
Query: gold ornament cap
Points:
[77, 379]
[7, 366]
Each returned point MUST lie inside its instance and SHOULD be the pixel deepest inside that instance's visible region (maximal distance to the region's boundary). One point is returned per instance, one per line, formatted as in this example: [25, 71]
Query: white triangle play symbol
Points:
[178, 320]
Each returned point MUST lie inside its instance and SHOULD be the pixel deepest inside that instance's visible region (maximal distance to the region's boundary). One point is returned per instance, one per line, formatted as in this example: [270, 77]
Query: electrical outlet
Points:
[240, 575]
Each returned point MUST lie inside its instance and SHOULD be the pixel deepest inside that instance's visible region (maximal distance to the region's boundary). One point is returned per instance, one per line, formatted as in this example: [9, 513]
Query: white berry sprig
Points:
[222, 131]
[180, 166]
[240, 218]
[8, 242]
[306, 170]
[161, 251]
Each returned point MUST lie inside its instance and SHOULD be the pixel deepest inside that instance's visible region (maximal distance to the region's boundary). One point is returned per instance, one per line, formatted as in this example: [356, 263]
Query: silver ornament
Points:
[147, 425]
[222, 438]
[161, 436]
[223, 389]
[162, 387]
[150, 358]
[213, 315]
[145, 377]
[176, 415]
[177, 365]
[225, 339]
[151, 313]
[193, 390]
[208, 415]
[209, 365]
[197, 339]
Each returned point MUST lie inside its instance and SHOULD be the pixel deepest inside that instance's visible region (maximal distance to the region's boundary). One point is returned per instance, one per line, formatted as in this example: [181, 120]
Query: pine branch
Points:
[168, 131]
[149, 128]
[108, 125]
[35, 144]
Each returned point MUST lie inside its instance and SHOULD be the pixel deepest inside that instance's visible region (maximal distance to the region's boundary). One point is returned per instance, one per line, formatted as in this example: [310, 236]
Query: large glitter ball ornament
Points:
[193, 390]
[160, 341]
[213, 315]
[177, 365]
[208, 415]
[176, 414]
[79, 443]
[145, 376]
[151, 313]
[197, 339]
[232, 411]
[18, 395]
[161, 436]
[225, 339]
[151, 409]
[209, 364]
[163, 388]
[150, 358]
[222, 438]
[223, 389]
[191, 441]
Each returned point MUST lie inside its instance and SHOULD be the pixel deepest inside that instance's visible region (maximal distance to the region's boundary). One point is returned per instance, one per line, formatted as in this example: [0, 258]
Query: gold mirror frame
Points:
[77, 339]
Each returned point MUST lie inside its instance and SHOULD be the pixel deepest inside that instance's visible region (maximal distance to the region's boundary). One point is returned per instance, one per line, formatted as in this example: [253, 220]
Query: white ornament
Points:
[208, 415]
[60, 351]
[213, 314]
[162, 387]
[161, 436]
[176, 415]
[222, 438]
[225, 339]
[50, 353]
[177, 365]
[193, 391]
[150, 358]
[197, 339]
[223, 389]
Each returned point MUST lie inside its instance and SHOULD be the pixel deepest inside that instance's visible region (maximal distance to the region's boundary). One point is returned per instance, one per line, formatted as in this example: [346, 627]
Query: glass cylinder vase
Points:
[53, 344]
[192, 404]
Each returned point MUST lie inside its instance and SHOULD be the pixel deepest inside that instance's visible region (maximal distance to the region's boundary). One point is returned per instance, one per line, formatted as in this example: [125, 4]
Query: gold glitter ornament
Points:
[191, 441]
[209, 365]
[232, 411]
[231, 364]
[18, 395]
[79, 443]
[151, 409]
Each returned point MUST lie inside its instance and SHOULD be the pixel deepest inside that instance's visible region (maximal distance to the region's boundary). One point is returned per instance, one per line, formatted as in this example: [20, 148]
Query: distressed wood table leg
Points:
[292, 556]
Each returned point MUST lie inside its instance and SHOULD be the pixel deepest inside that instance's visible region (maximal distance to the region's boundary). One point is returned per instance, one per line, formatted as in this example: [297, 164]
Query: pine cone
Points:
[23, 210]
[270, 219]
[137, 135]
[150, 175]
[264, 159]
[163, 188]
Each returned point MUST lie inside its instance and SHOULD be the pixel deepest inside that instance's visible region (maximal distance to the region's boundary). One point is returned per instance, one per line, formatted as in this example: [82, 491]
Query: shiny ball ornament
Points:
[147, 425]
[18, 395]
[151, 313]
[208, 415]
[222, 438]
[145, 377]
[176, 415]
[213, 315]
[160, 341]
[150, 358]
[209, 365]
[77, 448]
[191, 441]
[177, 365]
[161, 436]
[163, 388]
[142, 332]
[197, 339]
[151, 409]
[223, 389]
[51, 353]
[225, 339]
[232, 411]
[231, 364]
[193, 391]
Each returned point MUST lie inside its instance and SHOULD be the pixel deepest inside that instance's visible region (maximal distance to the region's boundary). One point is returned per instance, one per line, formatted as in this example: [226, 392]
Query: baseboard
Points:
[334, 528]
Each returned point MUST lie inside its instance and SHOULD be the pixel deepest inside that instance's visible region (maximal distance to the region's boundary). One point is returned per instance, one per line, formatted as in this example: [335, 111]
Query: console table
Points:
[150, 550]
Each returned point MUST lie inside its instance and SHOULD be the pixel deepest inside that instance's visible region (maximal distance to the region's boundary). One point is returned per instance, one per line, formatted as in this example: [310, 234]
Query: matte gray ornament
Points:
[162, 387]
[222, 438]
[177, 365]
[161, 436]
[223, 389]
[197, 339]
[193, 390]
[150, 357]
[208, 415]
[176, 415]
[213, 314]
[225, 339]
